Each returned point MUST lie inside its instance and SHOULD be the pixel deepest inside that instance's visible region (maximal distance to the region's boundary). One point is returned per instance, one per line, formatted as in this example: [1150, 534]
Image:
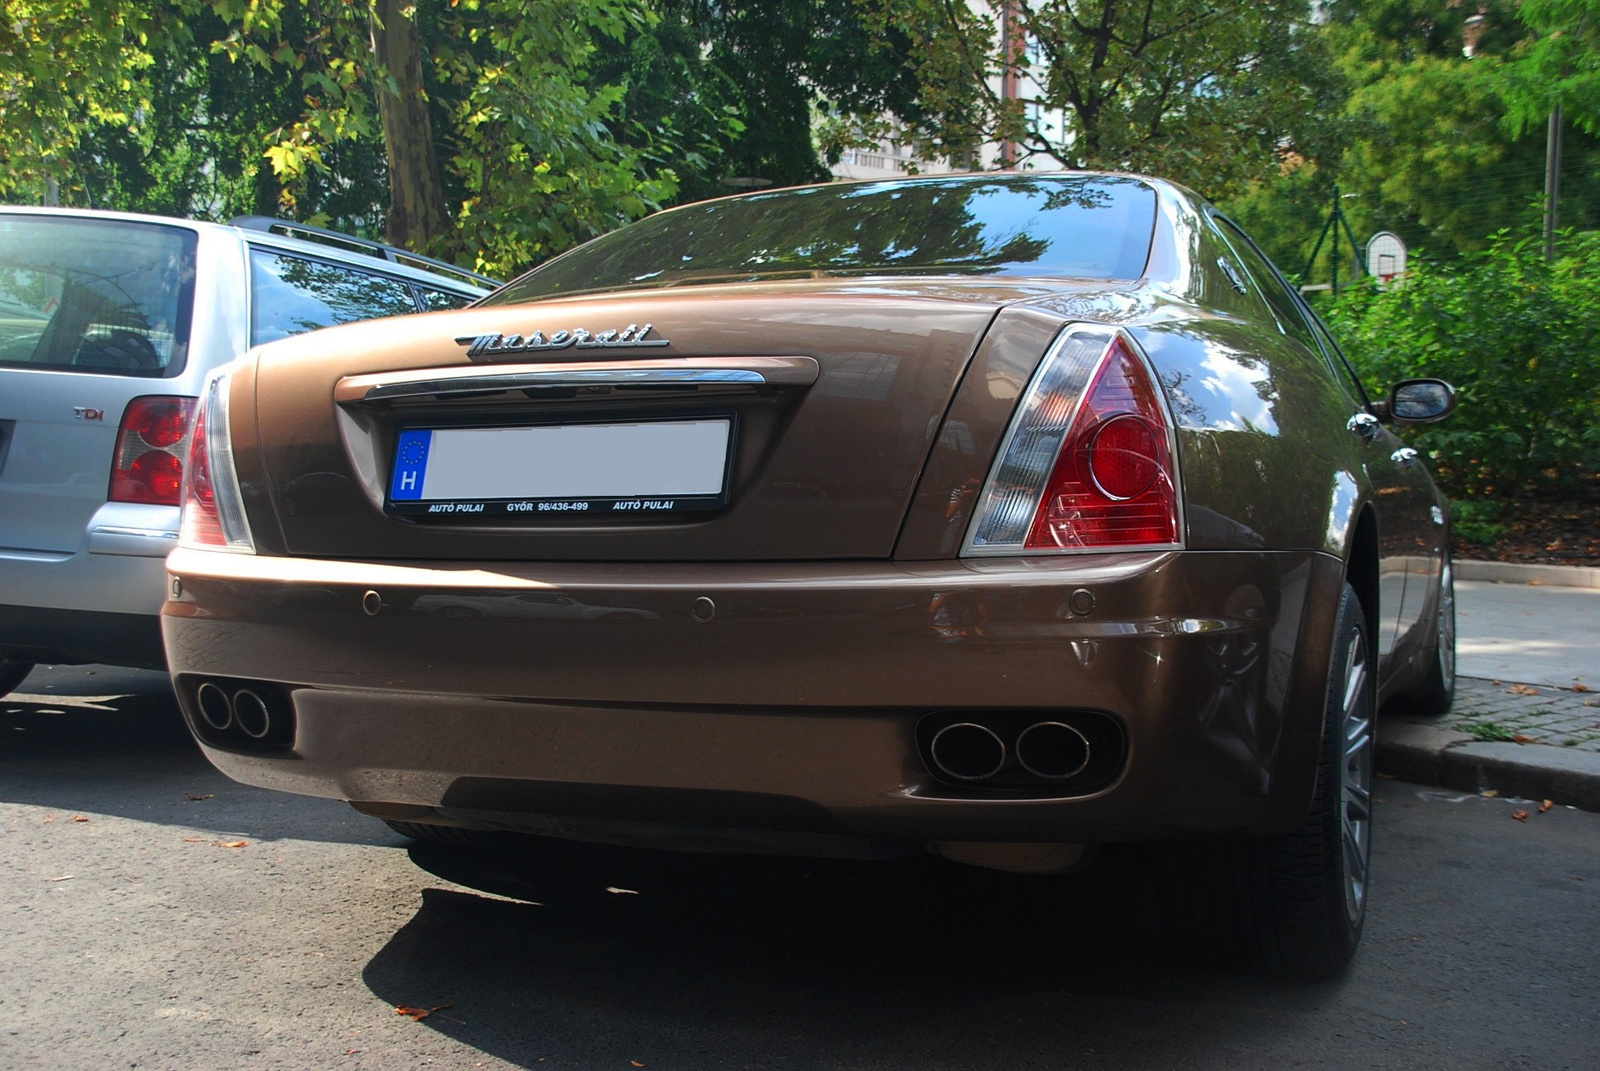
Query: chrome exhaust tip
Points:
[1052, 750]
[215, 706]
[250, 711]
[967, 751]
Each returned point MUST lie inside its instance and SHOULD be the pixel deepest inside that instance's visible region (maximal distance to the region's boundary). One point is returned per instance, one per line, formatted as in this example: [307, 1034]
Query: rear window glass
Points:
[441, 299]
[95, 295]
[290, 295]
[1086, 227]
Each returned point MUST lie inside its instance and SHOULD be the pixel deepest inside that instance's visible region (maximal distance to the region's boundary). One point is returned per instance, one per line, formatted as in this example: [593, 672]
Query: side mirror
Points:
[1420, 401]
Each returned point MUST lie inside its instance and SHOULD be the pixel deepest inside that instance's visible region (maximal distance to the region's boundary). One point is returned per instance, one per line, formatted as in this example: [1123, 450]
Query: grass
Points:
[1487, 731]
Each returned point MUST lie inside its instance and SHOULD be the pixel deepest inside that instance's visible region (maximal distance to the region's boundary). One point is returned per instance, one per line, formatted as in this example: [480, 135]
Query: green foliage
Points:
[1488, 731]
[1211, 94]
[781, 63]
[1519, 338]
[1436, 152]
[65, 66]
[1476, 521]
[530, 143]
[1558, 64]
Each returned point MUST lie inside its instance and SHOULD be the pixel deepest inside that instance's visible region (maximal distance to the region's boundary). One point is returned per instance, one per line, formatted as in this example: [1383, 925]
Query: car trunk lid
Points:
[830, 396]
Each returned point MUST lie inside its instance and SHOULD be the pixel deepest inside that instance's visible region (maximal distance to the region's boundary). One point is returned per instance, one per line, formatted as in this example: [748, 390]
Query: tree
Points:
[1210, 93]
[68, 65]
[1557, 65]
[782, 64]
[1432, 155]
[416, 186]
[473, 128]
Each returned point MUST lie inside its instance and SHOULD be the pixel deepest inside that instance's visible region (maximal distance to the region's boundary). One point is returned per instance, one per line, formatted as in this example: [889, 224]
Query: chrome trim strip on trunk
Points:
[739, 373]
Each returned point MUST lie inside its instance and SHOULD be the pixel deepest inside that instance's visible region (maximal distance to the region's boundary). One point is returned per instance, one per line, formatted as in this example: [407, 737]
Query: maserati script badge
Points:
[632, 336]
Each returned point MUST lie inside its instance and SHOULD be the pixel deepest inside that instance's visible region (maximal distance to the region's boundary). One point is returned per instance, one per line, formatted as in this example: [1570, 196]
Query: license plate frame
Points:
[562, 471]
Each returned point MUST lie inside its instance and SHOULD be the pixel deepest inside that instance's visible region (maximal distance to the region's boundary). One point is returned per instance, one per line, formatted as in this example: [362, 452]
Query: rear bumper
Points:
[98, 604]
[773, 697]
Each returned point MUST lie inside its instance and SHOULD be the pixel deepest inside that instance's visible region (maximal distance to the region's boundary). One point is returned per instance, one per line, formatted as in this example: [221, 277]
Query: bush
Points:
[1518, 338]
[1476, 521]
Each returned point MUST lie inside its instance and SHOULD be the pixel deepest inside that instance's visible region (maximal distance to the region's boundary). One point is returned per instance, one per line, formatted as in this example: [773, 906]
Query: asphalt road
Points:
[140, 933]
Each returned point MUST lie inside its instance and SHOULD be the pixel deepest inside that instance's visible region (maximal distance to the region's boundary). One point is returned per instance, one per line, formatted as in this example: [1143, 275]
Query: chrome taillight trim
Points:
[219, 460]
[1021, 471]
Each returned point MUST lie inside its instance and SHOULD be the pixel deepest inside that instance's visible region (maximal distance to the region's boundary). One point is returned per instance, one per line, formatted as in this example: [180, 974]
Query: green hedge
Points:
[1518, 337]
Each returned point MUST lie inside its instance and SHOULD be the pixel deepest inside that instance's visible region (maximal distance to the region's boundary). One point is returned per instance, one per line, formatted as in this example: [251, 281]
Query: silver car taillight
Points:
[213, 508]
[1090, 460]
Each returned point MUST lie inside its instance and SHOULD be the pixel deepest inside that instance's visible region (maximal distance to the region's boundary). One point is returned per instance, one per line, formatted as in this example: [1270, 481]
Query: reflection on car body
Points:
[1039, 513]
[463, 606]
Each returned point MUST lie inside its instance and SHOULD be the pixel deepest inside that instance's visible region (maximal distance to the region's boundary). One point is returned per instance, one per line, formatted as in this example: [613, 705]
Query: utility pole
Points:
[1552, 183]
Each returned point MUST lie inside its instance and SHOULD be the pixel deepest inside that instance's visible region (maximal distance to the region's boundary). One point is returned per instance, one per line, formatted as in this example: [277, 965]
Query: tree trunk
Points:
[416, 192]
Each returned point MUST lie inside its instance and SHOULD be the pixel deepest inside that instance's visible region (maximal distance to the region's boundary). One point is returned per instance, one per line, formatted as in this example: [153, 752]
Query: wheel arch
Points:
[1361, 565]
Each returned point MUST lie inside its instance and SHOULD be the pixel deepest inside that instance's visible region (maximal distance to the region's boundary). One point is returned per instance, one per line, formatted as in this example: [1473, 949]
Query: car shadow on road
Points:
[132, 756]
[594, 957]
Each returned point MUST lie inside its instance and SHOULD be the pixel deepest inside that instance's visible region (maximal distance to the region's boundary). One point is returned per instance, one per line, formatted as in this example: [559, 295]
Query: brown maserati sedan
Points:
[996, 516]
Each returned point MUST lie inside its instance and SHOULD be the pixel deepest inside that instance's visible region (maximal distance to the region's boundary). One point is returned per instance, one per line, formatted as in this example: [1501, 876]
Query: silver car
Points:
[109, 325]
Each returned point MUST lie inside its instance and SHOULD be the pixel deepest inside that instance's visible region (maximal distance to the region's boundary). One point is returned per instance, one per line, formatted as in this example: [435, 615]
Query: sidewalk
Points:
[1525, 721]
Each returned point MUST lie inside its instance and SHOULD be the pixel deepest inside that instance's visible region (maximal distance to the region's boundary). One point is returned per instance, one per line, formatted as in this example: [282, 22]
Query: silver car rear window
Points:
[95, 295]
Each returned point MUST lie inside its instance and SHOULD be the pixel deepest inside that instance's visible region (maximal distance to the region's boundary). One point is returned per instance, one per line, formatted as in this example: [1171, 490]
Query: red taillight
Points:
[1113, 482]
[1088, 462]
[201, 523]
[147, 466]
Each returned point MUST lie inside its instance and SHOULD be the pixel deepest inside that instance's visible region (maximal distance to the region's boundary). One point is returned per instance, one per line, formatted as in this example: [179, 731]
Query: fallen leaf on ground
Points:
[1524, 689]
[351, 1052]
[1521, 816]
[1520, 739]
[1582, 688]
[419, 1014]
[1546, 805]
[194, 840]
[232, 843]
[79, 818]
[1491, 794]
[636, 1063]
[192, 798]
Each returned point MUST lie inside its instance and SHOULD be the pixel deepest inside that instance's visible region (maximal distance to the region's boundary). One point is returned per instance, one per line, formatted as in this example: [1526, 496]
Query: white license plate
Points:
[612, 469]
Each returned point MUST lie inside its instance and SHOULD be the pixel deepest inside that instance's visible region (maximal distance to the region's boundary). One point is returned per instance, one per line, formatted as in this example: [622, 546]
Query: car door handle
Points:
[1365, 425]
[1405, 457]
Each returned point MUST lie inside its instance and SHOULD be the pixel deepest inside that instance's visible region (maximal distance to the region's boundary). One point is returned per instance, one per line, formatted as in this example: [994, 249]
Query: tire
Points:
[1294, 906]
[1439, 689]
[454, 836]
[12, 674]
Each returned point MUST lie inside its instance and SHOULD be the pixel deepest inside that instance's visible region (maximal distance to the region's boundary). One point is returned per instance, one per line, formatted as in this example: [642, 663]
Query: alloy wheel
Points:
[1355, 780]
[1445, 629]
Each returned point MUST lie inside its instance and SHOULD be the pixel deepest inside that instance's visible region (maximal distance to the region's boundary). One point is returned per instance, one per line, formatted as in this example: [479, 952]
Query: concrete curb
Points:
[1435, 755]
[1560, 576]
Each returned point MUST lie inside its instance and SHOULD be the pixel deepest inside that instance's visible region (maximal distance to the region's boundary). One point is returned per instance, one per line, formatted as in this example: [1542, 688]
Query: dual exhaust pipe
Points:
[1046, 750]
[254, 712]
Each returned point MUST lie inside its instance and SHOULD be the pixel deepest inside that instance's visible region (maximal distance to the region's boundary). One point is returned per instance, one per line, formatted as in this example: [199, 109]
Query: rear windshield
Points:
[95, 295]
[1069, 226]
